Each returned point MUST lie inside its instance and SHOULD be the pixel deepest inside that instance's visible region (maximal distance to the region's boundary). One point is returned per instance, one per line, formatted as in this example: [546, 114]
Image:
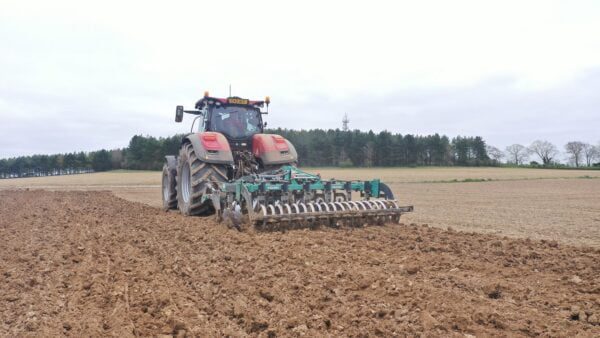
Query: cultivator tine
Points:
[303, 206]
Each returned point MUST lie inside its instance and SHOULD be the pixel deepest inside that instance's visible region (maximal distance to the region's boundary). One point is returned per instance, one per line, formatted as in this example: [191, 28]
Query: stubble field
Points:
[514, 255]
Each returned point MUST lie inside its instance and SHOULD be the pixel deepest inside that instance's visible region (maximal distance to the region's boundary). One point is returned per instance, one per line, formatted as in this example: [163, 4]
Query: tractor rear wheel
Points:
[194, 178]
[169, 192]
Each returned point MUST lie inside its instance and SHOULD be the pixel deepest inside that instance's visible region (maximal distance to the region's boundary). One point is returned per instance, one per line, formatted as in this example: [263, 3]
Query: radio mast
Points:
[345, 122]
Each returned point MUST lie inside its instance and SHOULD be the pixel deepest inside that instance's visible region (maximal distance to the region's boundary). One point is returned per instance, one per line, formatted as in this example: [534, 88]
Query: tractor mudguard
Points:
[273, 149]
[211, 147]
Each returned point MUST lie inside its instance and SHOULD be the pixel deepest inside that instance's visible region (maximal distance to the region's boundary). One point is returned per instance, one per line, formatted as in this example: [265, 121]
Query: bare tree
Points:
[494, 153]
[544, 149]
[517, 153]
[575, 149]
[590, 153]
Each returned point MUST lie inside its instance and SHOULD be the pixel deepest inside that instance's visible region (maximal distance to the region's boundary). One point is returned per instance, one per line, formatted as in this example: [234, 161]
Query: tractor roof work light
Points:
[267, 101]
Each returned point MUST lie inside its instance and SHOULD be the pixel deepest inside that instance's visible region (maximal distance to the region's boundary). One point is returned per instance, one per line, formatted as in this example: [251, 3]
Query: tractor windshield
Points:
[236, 122]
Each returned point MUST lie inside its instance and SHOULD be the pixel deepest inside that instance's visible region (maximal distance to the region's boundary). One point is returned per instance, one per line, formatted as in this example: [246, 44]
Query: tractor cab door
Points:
[203, 123]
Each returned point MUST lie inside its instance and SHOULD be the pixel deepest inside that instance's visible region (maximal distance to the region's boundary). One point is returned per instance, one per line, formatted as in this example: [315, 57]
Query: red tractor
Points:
[229, 143]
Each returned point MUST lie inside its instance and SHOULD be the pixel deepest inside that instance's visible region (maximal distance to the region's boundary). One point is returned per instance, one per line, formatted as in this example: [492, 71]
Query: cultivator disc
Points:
[289, 197]
[351, 213]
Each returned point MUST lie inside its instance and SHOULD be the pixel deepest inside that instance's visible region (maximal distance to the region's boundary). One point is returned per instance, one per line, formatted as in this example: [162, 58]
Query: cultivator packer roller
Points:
[351, 212]
[291, 197]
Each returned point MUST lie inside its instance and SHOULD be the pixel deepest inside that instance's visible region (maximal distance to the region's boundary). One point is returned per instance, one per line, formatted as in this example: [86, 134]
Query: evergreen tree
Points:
[101, 160]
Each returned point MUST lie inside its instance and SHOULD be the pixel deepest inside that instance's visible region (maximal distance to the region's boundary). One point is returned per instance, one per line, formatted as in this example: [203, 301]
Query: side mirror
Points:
[179, 114]
[265, 124]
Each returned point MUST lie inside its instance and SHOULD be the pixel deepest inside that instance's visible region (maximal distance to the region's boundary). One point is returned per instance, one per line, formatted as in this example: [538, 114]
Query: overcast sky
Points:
[83, 75]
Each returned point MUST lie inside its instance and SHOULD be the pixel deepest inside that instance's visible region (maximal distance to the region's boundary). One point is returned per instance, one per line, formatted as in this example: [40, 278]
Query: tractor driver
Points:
[233, 125]
[240, 124]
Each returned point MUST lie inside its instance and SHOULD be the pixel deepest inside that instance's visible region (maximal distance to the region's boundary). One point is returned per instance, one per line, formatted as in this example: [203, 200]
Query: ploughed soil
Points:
[89, 263]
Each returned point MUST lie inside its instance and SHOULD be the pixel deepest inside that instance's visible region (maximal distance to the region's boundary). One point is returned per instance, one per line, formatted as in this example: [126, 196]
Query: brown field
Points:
[562, 205]
[515, 256]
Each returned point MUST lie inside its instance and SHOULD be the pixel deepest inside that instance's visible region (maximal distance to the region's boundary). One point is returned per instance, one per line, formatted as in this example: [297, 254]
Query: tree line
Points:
[578, 154]
[315, 147]
[58, 164]
[143, 153]
[318, 147]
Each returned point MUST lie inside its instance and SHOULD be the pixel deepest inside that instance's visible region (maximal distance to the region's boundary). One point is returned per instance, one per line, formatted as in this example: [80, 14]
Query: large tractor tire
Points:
[194, 177]
[169, 190]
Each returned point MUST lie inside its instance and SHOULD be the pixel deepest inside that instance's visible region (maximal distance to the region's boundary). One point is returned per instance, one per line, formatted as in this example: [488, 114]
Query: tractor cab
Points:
[236, 118]
[230, 131]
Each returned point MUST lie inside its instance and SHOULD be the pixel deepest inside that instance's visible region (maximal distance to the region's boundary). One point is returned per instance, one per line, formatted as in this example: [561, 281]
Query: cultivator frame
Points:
[293, 197]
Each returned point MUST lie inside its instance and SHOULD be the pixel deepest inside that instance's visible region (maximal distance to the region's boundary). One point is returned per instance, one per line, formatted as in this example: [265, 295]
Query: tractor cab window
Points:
[236, 122]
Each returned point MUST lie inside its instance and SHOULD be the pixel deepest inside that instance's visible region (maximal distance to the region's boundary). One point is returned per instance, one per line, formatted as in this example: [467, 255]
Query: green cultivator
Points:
[292, 197]
[231, 168]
